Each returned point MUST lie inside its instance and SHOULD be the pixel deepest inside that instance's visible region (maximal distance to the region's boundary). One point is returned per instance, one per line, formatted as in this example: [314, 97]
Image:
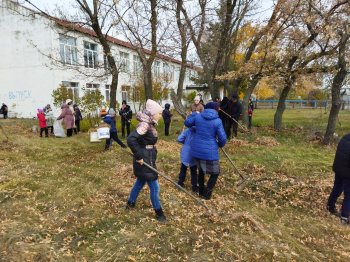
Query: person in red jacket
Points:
[42, 123]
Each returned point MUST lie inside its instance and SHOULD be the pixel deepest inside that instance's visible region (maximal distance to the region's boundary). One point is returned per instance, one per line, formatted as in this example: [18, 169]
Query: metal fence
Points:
[300, 104]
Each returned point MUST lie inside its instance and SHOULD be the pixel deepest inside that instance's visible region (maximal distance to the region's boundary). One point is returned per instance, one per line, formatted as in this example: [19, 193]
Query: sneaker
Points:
[160, 216]
[344, 220]
[333, 211]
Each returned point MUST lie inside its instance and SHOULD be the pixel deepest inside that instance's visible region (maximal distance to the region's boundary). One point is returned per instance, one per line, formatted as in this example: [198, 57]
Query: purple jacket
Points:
[67, 116]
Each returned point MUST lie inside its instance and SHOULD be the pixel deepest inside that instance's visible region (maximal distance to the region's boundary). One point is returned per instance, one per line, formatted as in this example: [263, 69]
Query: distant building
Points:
[39, 54]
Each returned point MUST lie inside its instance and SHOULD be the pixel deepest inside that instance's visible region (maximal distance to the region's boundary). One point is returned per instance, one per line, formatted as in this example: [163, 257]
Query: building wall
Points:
[31, 68]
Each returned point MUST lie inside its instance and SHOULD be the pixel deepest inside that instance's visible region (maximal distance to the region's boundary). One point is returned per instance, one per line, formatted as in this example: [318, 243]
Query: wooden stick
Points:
[176, 185]
[234, 166]
[241, 126]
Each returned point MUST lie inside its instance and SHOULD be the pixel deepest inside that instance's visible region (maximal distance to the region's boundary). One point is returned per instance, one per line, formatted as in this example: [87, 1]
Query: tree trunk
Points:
[113, 91]
[337, 84]
[282, 103]
[147, 81]
[214, 89]
[177, 104]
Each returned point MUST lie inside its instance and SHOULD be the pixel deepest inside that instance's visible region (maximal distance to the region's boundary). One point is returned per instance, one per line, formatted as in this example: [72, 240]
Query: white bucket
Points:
[103, 133]
[94, 137]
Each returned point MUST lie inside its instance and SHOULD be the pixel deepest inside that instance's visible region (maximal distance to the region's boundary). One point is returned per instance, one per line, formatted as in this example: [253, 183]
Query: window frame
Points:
[90, 51]
[68, 51]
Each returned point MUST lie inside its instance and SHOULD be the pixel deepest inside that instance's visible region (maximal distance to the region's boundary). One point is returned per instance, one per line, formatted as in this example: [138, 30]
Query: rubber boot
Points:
[130, 205]
[160, 215]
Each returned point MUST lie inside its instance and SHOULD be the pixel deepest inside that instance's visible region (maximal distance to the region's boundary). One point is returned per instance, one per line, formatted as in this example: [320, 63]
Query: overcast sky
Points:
[49, 5]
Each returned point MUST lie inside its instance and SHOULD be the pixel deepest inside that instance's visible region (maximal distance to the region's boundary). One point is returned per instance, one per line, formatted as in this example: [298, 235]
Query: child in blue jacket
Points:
[185, 138]
[110, 120]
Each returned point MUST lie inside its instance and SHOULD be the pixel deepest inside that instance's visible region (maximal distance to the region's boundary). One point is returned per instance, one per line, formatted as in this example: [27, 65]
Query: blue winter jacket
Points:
[185, 138]
[209, 136]
[110, 120]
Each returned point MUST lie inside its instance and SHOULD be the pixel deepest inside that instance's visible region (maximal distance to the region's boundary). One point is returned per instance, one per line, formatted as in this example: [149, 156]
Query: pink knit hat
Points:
[153, 107]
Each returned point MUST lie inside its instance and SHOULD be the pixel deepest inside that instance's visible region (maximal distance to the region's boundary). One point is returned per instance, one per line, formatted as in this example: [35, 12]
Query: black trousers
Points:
[206, 191]
[127, 124]
[166, 128]
[194, 178]
[249, 122]
[46, 131]
[50, 127]
[113, 136]
[69, 132]
[77, 126]
[231, 124]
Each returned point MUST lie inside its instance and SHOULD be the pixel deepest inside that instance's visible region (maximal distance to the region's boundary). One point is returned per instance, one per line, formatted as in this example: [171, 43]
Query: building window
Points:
[68, 50]
[172, 73]
[126, 92]
[106, 63]
[124, 62]
[168, 72]
[90, 55]
[137, 64]
[156, 69]
[107, 93]
[136, 94]
[90, 86]
[72, 89]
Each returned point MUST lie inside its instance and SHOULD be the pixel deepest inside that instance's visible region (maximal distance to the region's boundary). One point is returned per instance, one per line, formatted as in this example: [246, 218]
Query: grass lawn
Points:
[64, 199]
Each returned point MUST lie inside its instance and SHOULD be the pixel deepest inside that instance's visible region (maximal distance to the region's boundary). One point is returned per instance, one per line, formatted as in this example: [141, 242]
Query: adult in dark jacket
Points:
[234, 109]
[209, 136]
[110, 120]
[167, 119]
[223, 106]
[142, 143]
[77, 118]
[126, 114]
[4, 110]
[341, 168]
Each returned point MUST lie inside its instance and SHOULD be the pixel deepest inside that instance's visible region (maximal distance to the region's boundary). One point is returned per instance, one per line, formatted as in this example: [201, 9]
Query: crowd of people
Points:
[70, 115]
[208, 128]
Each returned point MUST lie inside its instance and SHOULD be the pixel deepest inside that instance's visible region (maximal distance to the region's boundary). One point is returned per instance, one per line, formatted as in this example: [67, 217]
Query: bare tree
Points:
[308, 42]
[140, 25]
[337, 83]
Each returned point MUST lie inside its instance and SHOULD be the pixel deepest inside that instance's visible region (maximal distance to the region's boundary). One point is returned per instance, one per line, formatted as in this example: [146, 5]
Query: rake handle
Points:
[175, 184]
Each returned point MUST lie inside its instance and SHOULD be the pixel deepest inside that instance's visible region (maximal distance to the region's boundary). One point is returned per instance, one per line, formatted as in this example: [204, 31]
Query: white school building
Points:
[40, 54]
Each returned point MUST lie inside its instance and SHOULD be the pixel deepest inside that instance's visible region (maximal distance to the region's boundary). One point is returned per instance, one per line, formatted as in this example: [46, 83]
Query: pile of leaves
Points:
[266, 141]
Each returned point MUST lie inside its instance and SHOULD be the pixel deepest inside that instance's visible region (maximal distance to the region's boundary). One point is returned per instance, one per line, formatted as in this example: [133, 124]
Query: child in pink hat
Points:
[42, 123]
[142, 143]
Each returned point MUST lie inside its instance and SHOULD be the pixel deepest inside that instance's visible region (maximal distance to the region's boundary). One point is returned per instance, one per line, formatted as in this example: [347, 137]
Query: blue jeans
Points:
[153, 188]
[341, 185]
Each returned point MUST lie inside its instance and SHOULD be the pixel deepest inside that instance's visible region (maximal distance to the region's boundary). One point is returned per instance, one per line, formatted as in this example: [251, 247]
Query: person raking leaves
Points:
[142, 143]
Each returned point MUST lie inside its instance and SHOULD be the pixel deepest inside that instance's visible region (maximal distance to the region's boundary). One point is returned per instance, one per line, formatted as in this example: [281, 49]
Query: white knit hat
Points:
[68, 101]
[153, 107]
